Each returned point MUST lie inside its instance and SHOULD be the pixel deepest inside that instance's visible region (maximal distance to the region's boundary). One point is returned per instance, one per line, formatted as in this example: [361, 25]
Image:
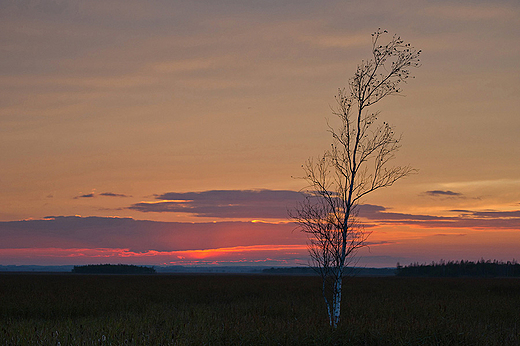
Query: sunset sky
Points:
[172, 132]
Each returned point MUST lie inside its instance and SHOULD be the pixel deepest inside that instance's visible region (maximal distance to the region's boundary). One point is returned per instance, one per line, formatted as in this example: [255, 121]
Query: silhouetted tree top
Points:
[357, 164]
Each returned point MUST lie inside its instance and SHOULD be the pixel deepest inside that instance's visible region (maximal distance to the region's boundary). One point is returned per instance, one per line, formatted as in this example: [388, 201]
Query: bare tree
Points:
[355, 165]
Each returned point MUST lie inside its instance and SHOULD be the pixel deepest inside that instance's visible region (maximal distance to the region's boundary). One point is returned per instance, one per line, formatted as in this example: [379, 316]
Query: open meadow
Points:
[67, 309]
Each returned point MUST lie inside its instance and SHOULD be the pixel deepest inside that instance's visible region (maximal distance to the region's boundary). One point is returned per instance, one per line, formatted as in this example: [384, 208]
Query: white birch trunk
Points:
[336, 305]
[329, 312]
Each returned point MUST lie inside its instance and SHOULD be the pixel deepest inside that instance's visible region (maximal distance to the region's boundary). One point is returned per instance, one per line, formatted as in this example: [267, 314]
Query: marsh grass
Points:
[254, 310]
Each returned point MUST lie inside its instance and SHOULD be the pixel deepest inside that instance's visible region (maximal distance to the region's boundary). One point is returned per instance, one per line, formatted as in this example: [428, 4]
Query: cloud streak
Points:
[105, 194]
[442, 193]
[111, 194]
[88, 195]
[487, 220]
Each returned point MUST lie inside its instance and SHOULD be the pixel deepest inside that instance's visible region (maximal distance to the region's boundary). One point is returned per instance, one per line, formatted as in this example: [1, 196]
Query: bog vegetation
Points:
[47, 309]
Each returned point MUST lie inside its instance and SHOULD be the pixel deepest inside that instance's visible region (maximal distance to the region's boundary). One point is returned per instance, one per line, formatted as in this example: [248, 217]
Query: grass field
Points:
[254, 310]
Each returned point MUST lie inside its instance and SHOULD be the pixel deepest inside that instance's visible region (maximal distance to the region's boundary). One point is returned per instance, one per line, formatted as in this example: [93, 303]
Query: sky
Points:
[173, 132]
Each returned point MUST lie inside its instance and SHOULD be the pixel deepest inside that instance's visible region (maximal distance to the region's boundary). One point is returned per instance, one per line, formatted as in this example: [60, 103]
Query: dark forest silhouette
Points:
[481, 268]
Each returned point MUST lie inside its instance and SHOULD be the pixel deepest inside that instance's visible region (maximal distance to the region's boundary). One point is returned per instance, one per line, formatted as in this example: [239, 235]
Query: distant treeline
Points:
[113, 269]
[350, 271]
[290, 270]
[480, 268]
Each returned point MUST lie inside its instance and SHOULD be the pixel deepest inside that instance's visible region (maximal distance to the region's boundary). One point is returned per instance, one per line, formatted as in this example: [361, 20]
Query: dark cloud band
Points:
[140, 235]
[490, 220]
[270, 204]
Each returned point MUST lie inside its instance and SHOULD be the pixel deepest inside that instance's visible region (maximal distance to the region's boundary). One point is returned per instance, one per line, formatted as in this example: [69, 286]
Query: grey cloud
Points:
[111, 194]
[225, 203]
[106, 194]
[379, 213]
[497, 214]
[88, 195]
[442, 193]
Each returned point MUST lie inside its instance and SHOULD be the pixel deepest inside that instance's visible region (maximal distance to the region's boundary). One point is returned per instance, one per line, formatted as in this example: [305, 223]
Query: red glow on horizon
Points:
[237, 254]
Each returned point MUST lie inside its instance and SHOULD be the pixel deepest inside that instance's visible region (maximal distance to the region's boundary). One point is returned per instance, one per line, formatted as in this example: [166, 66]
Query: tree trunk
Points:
[336, 302]
[327, 303]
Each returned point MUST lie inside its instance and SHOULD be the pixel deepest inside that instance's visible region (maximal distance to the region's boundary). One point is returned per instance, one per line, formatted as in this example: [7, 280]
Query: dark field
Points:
[254, 310]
